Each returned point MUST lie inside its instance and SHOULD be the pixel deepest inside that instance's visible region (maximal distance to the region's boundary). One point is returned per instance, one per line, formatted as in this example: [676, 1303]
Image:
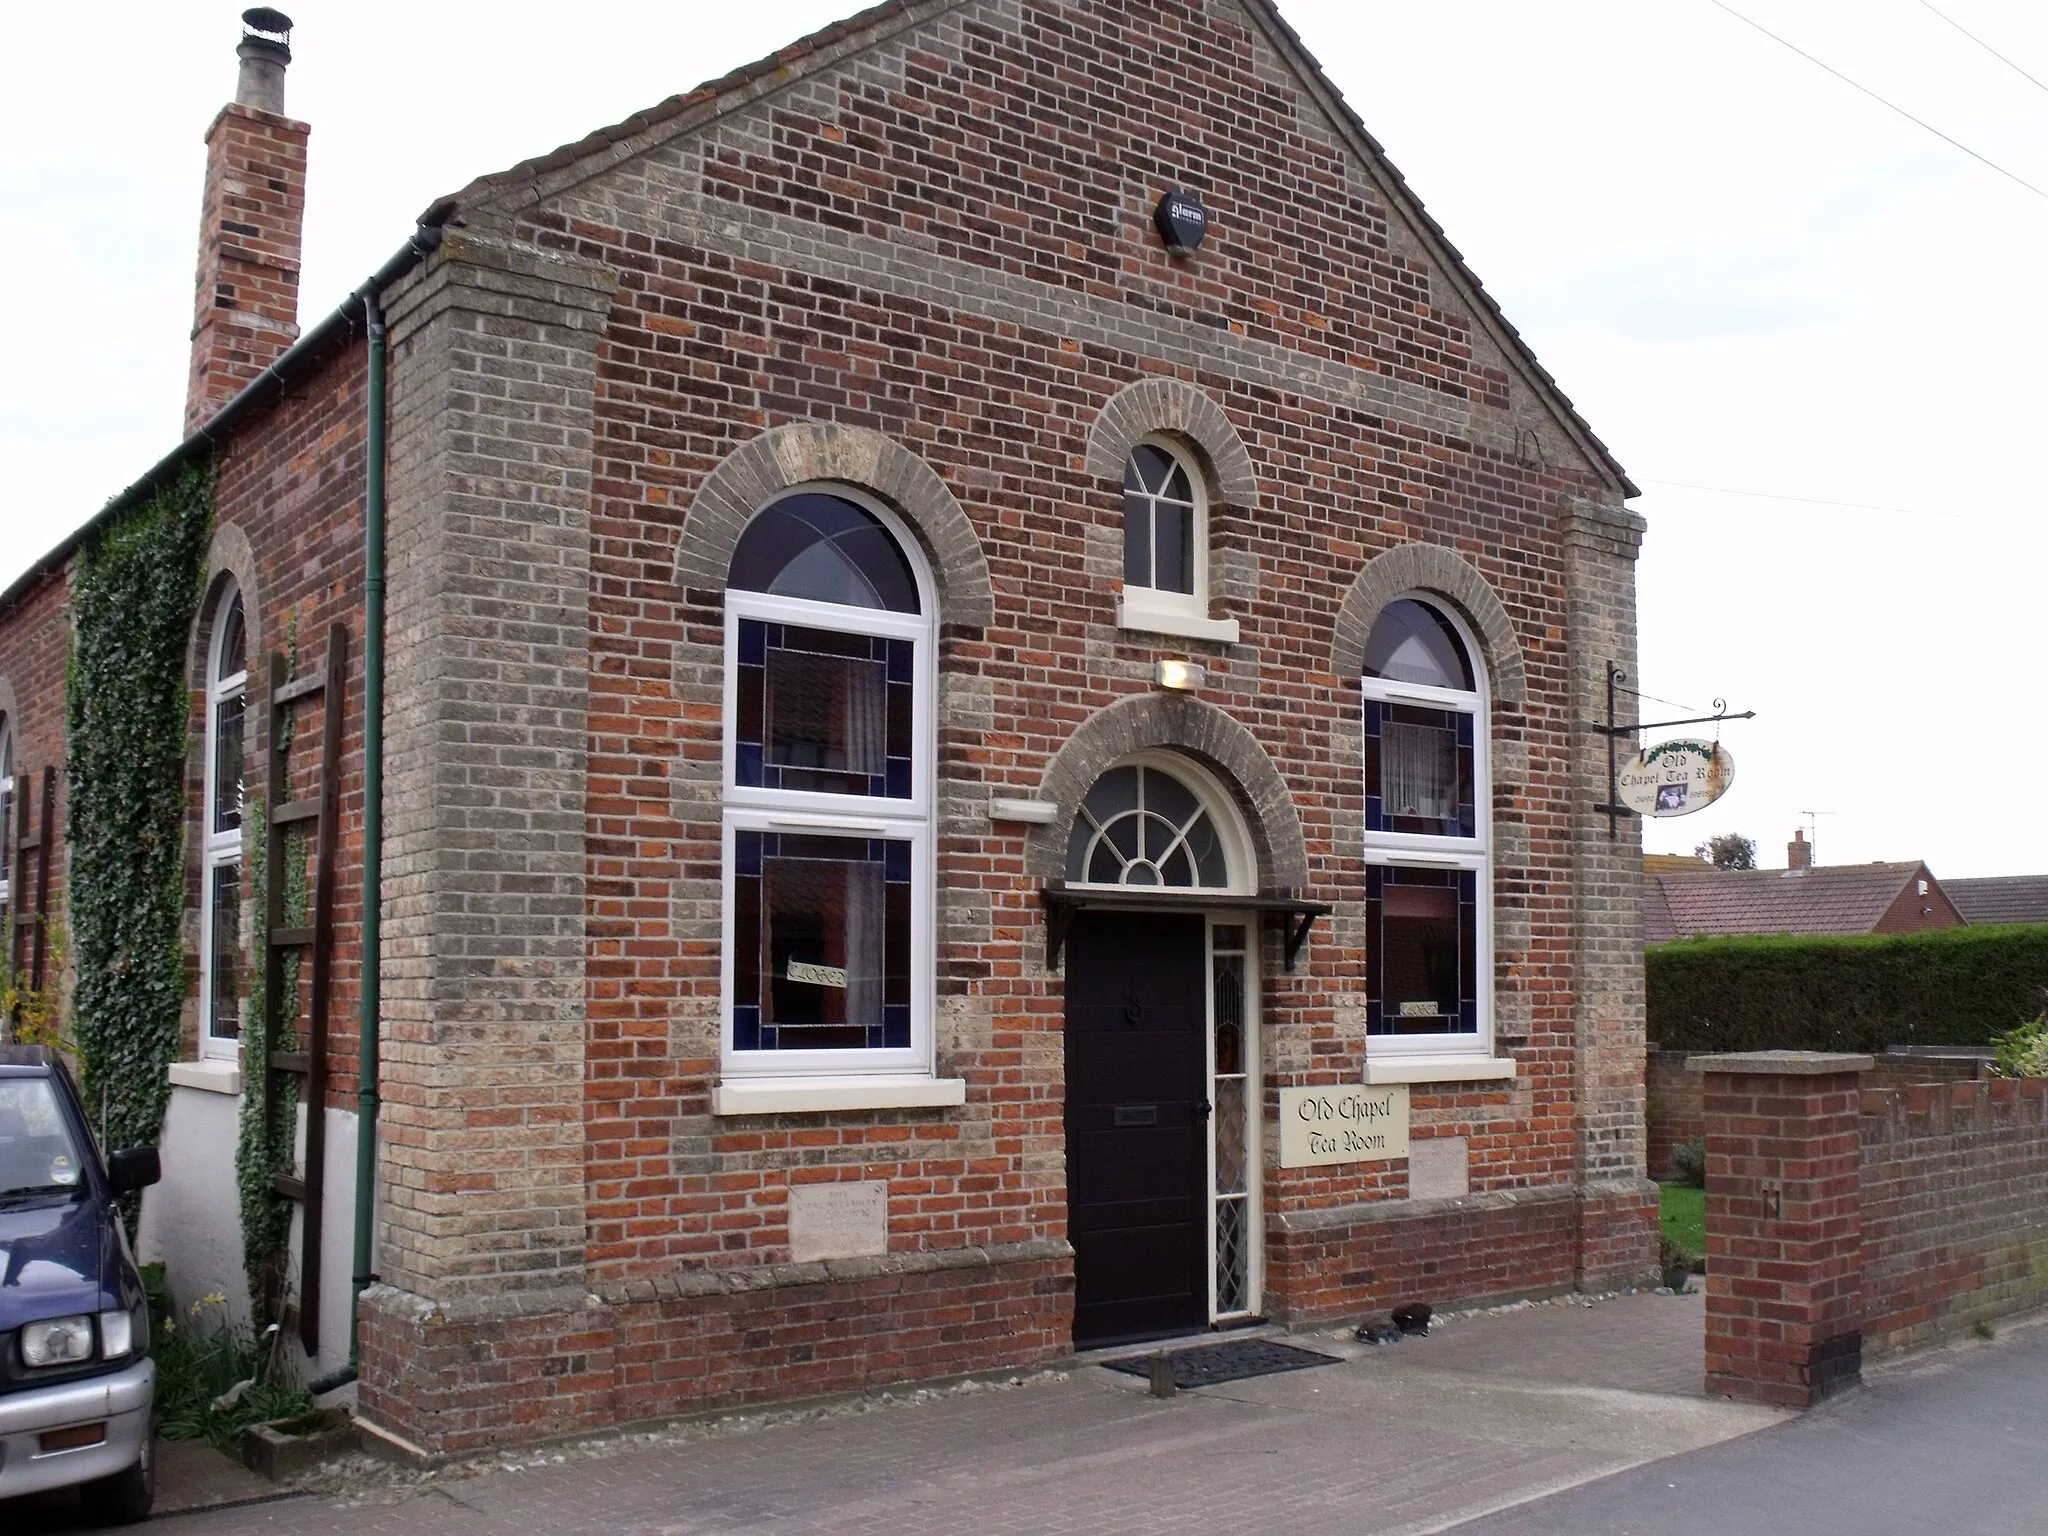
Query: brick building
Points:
[1684, 899]
[915, 714]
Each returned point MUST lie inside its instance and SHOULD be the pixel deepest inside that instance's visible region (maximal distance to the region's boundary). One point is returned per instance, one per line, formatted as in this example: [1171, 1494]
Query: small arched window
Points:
[1166, 545]
[1428, 873]
[220, 948]
[828, 793]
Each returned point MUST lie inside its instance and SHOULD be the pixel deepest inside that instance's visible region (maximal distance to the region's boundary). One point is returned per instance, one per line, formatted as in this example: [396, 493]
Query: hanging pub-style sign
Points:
[1676, 778]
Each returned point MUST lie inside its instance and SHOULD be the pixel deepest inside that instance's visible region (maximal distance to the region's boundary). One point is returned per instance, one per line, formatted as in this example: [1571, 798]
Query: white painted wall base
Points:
[192, 1221]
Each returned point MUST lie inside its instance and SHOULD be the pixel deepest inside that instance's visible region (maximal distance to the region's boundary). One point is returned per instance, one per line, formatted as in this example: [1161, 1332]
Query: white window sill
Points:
[1138, 615]
[1437, 1069]
[207, 1076]
[820, 1095]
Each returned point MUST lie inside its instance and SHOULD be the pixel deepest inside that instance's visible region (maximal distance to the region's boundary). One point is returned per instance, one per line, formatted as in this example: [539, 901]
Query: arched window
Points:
[220, 942]
[1166, 545]
[830, 677]
[1141, 825]
[1428, 874]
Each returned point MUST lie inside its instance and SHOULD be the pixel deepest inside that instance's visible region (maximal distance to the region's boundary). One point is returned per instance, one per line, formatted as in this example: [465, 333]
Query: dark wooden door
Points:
[1137, 1125]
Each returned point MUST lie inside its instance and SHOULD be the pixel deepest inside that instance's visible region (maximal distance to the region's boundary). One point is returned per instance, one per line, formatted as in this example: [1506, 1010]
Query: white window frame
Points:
[1254, 1100]
[759, 1082]
[219, 848]
[1393, 1058]
[1157, 611]
[7, 814]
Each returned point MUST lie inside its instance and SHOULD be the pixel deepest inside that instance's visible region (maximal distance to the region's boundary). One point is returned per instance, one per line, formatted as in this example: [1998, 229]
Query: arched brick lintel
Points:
[1443, 572]
[1175, 722]
[806, 453]
[1179, 410]
[229, 555]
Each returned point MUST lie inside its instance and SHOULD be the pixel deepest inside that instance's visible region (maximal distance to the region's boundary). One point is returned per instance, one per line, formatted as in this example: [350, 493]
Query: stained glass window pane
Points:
[1420, 770]
[1421, 959]
[821, 938]
[825, 549]
[822, 711]
[234, 642]
[1413, 643]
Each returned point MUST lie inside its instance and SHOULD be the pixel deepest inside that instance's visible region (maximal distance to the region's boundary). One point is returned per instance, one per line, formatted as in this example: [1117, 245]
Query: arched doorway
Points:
[1160, 1049]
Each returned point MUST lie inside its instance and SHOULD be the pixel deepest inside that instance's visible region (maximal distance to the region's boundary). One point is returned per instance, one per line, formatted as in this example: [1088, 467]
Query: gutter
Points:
[264, 392]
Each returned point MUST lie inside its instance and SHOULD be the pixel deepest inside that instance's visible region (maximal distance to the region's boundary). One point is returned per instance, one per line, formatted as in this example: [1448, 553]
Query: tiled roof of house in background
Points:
[1847, 898]
[2001, 899]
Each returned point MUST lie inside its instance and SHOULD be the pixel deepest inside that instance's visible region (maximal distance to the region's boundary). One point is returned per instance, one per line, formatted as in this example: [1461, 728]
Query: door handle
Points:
[1208, 1109]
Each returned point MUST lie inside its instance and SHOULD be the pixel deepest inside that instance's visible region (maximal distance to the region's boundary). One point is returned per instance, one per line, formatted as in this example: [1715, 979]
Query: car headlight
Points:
[117, 1334]
[57, 1341]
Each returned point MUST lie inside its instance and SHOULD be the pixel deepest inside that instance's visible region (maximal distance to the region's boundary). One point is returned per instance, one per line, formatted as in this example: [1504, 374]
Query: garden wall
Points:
[1844, 1219]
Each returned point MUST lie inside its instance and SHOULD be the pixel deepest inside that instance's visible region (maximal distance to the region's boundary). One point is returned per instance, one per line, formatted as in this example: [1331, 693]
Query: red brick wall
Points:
[655, 1351]
[35, 638]
[1955, 1207]
[1676, 1111]
[1488, 1248]
[705, 350]
[1910, 912]
[291, 484]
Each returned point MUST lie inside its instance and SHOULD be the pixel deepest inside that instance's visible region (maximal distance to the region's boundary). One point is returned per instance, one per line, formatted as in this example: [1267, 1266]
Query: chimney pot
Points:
[1799, 852]
[265, 50]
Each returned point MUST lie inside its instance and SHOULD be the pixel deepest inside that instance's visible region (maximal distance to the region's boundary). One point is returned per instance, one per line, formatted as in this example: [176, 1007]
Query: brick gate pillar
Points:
[1784, 1224]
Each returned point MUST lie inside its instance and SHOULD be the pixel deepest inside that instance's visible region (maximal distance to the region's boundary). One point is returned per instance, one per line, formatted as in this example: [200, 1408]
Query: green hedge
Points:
[1958, 986]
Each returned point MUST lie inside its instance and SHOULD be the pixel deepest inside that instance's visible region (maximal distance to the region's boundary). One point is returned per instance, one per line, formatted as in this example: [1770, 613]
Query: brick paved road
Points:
[1407, 1439]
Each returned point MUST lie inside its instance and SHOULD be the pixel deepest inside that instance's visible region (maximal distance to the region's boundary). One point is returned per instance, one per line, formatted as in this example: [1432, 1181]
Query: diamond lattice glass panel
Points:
[1233, 1255]
[1230, 1136]
[223, 1004]
[1142, 826]
[228, 716]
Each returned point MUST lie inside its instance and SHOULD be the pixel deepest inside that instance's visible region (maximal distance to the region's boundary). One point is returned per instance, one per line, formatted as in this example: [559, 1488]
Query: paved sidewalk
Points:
[1490, 1412]
[1947, 1441]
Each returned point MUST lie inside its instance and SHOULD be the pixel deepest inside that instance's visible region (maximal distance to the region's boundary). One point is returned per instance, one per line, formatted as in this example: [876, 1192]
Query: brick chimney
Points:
[246, 309]
[1799, 852]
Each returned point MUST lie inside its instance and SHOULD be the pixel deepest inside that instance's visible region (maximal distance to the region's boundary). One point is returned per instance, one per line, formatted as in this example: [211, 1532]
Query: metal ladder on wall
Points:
[309, 1063]
[30, 926]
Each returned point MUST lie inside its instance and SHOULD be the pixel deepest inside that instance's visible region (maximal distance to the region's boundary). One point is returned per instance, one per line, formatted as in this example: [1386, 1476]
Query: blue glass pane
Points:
[753, 643]
[896, 1026]
[746, 1029]
[897, 785]
[746, 853]
[747, 764]
[901, 655]
[896, 862]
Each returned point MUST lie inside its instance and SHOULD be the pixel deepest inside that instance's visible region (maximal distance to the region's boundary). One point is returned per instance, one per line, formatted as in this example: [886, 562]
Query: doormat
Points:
[1210, 1365]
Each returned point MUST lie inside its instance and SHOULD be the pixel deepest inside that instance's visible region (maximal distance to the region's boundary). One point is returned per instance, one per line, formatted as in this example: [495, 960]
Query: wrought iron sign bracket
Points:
[1612, 806]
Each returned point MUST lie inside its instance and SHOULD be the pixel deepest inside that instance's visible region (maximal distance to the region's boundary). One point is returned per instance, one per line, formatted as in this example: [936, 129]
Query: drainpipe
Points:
[369, 1030]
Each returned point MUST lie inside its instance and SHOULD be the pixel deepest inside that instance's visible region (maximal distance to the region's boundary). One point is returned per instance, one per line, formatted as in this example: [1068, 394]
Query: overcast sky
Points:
[1749, 276]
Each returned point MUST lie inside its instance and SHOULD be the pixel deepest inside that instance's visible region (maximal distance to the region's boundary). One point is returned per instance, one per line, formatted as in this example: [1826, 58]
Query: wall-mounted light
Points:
[1181, 676]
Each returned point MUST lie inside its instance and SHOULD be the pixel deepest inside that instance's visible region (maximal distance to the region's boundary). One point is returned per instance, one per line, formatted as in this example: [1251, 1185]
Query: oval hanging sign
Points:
[1676, 778]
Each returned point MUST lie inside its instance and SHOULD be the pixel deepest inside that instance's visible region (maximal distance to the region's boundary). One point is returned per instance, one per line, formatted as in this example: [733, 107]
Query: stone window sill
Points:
[1166, 621]
[1438, 1069]
[207, 1076]
[823, 1095]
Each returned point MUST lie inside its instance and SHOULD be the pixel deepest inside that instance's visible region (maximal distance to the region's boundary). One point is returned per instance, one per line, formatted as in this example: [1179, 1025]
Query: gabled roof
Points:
[532, 180]
[2001, 899]
[1834, 898]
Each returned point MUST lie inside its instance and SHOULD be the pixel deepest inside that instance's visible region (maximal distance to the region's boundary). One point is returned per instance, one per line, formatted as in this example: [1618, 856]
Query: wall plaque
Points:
[838, 1221]
[1344, 1124]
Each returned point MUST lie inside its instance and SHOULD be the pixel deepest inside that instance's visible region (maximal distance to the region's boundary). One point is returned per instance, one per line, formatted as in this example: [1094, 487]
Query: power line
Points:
[1881, 101]
[1973, 37]
[1810, 501]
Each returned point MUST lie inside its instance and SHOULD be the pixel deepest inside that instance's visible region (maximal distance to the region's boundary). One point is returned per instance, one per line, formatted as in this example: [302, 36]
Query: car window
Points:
[37, 1151]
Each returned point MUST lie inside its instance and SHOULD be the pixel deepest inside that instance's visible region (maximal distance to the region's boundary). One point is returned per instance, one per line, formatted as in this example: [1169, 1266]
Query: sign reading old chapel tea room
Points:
[1345, 1124]
[1676, 778]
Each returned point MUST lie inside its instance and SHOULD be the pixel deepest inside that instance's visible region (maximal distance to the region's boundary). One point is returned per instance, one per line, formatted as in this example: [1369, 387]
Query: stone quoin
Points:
[793, 491]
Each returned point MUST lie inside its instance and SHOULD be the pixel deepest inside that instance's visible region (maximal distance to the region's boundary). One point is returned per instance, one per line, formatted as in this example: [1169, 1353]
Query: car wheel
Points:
[125, 1497]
